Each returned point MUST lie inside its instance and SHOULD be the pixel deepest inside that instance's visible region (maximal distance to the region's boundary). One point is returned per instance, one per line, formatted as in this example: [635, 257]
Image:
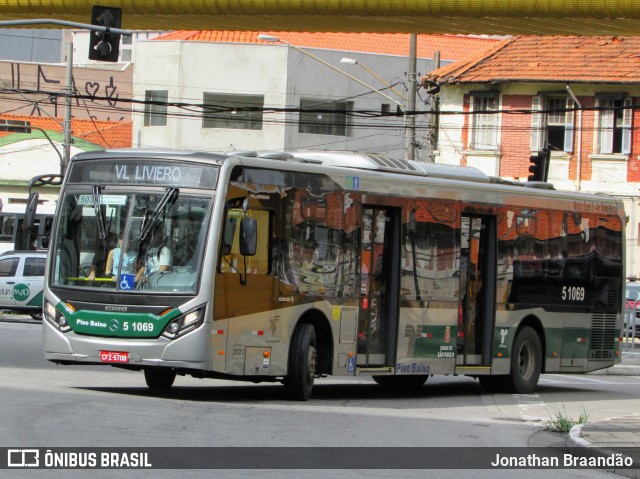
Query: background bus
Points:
[27, 226]
[290, 266]
[12, 235]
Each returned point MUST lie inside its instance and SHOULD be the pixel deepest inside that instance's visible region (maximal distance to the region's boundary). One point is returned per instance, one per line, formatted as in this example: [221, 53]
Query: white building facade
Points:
[269, 96]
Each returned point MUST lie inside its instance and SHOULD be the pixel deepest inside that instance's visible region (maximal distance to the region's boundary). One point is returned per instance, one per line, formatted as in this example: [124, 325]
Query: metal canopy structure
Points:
[488, 17]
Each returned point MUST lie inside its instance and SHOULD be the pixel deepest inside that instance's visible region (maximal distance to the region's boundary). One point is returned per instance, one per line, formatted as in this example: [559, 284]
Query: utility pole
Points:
[435, 108]
[67, 110]
[410, 118]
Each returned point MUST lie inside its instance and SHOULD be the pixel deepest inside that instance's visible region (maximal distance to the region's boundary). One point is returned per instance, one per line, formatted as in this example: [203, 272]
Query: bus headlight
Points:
[56, 318]
[185, 323]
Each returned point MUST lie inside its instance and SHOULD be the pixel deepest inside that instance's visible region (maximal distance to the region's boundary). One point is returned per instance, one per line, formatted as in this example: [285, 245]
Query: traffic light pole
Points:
[64, 23]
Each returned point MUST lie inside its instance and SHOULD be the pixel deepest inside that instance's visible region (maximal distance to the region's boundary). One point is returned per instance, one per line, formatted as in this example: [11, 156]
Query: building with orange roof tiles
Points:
[37, 149]
[576, 97]
[229, 90]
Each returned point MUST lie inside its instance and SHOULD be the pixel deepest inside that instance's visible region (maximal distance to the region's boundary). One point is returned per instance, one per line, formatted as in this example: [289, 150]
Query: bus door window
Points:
[478, 297]
[374, 323]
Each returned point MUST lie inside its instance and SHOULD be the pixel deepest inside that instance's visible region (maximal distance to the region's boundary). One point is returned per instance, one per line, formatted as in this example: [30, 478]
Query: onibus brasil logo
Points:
[21, 292]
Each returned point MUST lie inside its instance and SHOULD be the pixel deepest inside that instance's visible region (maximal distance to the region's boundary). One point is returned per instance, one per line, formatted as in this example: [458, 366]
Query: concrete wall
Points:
[284, 76]
[101, 87]
[31, 45]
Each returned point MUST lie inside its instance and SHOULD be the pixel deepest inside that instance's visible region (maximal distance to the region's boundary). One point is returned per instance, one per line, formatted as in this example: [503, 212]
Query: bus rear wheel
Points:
[303, 359]
[526, 361]
[401, 382]
[159, 380]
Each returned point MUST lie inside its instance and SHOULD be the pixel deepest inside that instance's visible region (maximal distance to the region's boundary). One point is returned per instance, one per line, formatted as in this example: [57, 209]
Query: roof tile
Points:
[549, 58]
[107, 134]
[451, 47]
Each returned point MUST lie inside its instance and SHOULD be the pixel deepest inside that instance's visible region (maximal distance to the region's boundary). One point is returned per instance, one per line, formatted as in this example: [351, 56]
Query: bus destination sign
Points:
[125, 172]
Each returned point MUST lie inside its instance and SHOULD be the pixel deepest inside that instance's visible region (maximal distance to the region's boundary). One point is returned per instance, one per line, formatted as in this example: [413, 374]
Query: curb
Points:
[575, 439]
[18, 319]
[618, 370]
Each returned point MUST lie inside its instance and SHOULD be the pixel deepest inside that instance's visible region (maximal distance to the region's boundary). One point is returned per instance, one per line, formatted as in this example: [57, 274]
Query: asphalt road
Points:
[44, 405]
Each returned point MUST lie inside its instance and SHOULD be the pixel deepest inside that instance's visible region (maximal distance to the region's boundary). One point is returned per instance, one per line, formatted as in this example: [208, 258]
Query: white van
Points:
[21, 281]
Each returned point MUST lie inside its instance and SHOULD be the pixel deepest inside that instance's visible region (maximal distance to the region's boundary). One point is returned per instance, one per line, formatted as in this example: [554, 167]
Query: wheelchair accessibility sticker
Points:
[127, 281]
[351, 365]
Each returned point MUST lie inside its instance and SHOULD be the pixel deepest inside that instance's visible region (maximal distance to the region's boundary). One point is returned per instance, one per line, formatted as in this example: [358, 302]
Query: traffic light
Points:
[539, 167]
[104, 46]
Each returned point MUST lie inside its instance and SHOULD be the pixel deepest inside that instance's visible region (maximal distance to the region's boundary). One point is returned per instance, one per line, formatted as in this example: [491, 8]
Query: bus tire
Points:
[159, 380]
[37, 315]
[303, 359]
[401, 382]
[526, 361]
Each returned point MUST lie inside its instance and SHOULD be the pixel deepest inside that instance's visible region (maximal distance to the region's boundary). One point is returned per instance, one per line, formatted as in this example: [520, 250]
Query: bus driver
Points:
[159, 257]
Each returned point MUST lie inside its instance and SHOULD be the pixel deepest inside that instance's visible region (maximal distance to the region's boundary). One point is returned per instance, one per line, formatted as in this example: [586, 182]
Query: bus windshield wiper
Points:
[170, 196]
[97, 193]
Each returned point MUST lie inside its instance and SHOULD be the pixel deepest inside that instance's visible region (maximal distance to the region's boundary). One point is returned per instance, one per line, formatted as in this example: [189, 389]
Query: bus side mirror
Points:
[248, 236]
[30, 214]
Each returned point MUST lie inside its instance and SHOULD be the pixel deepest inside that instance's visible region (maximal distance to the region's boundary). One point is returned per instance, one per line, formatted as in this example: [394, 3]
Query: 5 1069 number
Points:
[138, 327]
[573, 293]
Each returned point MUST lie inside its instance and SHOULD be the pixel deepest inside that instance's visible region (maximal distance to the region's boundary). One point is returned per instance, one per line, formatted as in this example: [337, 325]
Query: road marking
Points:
[529, 406]
[587, 379]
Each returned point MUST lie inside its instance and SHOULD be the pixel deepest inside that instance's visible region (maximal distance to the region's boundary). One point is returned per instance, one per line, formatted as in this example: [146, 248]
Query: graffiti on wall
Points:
[40, 87]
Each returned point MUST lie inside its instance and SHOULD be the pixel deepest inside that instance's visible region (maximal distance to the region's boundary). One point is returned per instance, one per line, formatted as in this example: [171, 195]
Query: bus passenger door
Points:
[478, 251]
[379, 291]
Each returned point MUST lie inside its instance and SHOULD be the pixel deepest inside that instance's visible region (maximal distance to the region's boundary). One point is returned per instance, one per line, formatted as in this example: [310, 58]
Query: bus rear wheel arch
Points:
[526, 366]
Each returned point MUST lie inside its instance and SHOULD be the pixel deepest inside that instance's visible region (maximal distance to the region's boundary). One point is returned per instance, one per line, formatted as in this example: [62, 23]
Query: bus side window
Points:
[7, 232]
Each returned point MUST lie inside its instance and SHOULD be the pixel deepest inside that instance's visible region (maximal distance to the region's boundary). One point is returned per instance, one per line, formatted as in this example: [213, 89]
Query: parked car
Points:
[633, 302]
[21, 281]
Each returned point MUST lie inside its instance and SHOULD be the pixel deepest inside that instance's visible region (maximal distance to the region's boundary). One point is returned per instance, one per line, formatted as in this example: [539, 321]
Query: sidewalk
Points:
[629, 366]
[616, 435]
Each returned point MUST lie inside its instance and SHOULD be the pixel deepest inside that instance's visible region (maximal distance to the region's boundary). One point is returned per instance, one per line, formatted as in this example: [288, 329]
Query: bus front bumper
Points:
[191, 351]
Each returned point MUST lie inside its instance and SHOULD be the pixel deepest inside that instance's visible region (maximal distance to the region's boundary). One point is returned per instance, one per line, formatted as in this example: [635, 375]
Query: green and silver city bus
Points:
[292, 266]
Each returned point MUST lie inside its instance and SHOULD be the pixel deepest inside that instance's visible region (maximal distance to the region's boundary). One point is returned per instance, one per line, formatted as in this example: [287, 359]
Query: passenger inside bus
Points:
[101, 256]
[158, 258]
[114, 259]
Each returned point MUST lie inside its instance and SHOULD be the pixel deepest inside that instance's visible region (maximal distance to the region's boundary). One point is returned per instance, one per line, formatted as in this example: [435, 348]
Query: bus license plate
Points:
[114, 357]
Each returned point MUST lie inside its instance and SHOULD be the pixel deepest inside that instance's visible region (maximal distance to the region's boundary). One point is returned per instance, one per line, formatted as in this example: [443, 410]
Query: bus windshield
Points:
[130, 241]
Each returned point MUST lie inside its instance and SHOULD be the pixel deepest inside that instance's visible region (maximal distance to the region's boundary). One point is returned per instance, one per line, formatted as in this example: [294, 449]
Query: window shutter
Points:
[626, 126]
[568, 126]
[536, 124]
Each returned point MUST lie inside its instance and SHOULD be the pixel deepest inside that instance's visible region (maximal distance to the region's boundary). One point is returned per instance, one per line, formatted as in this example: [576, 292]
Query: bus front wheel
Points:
[303, 359]
[159, 380]
[526, 361]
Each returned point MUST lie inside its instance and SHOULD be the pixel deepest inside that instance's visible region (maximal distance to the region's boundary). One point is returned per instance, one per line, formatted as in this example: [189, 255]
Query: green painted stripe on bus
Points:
[119, 325]
[441, 342]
